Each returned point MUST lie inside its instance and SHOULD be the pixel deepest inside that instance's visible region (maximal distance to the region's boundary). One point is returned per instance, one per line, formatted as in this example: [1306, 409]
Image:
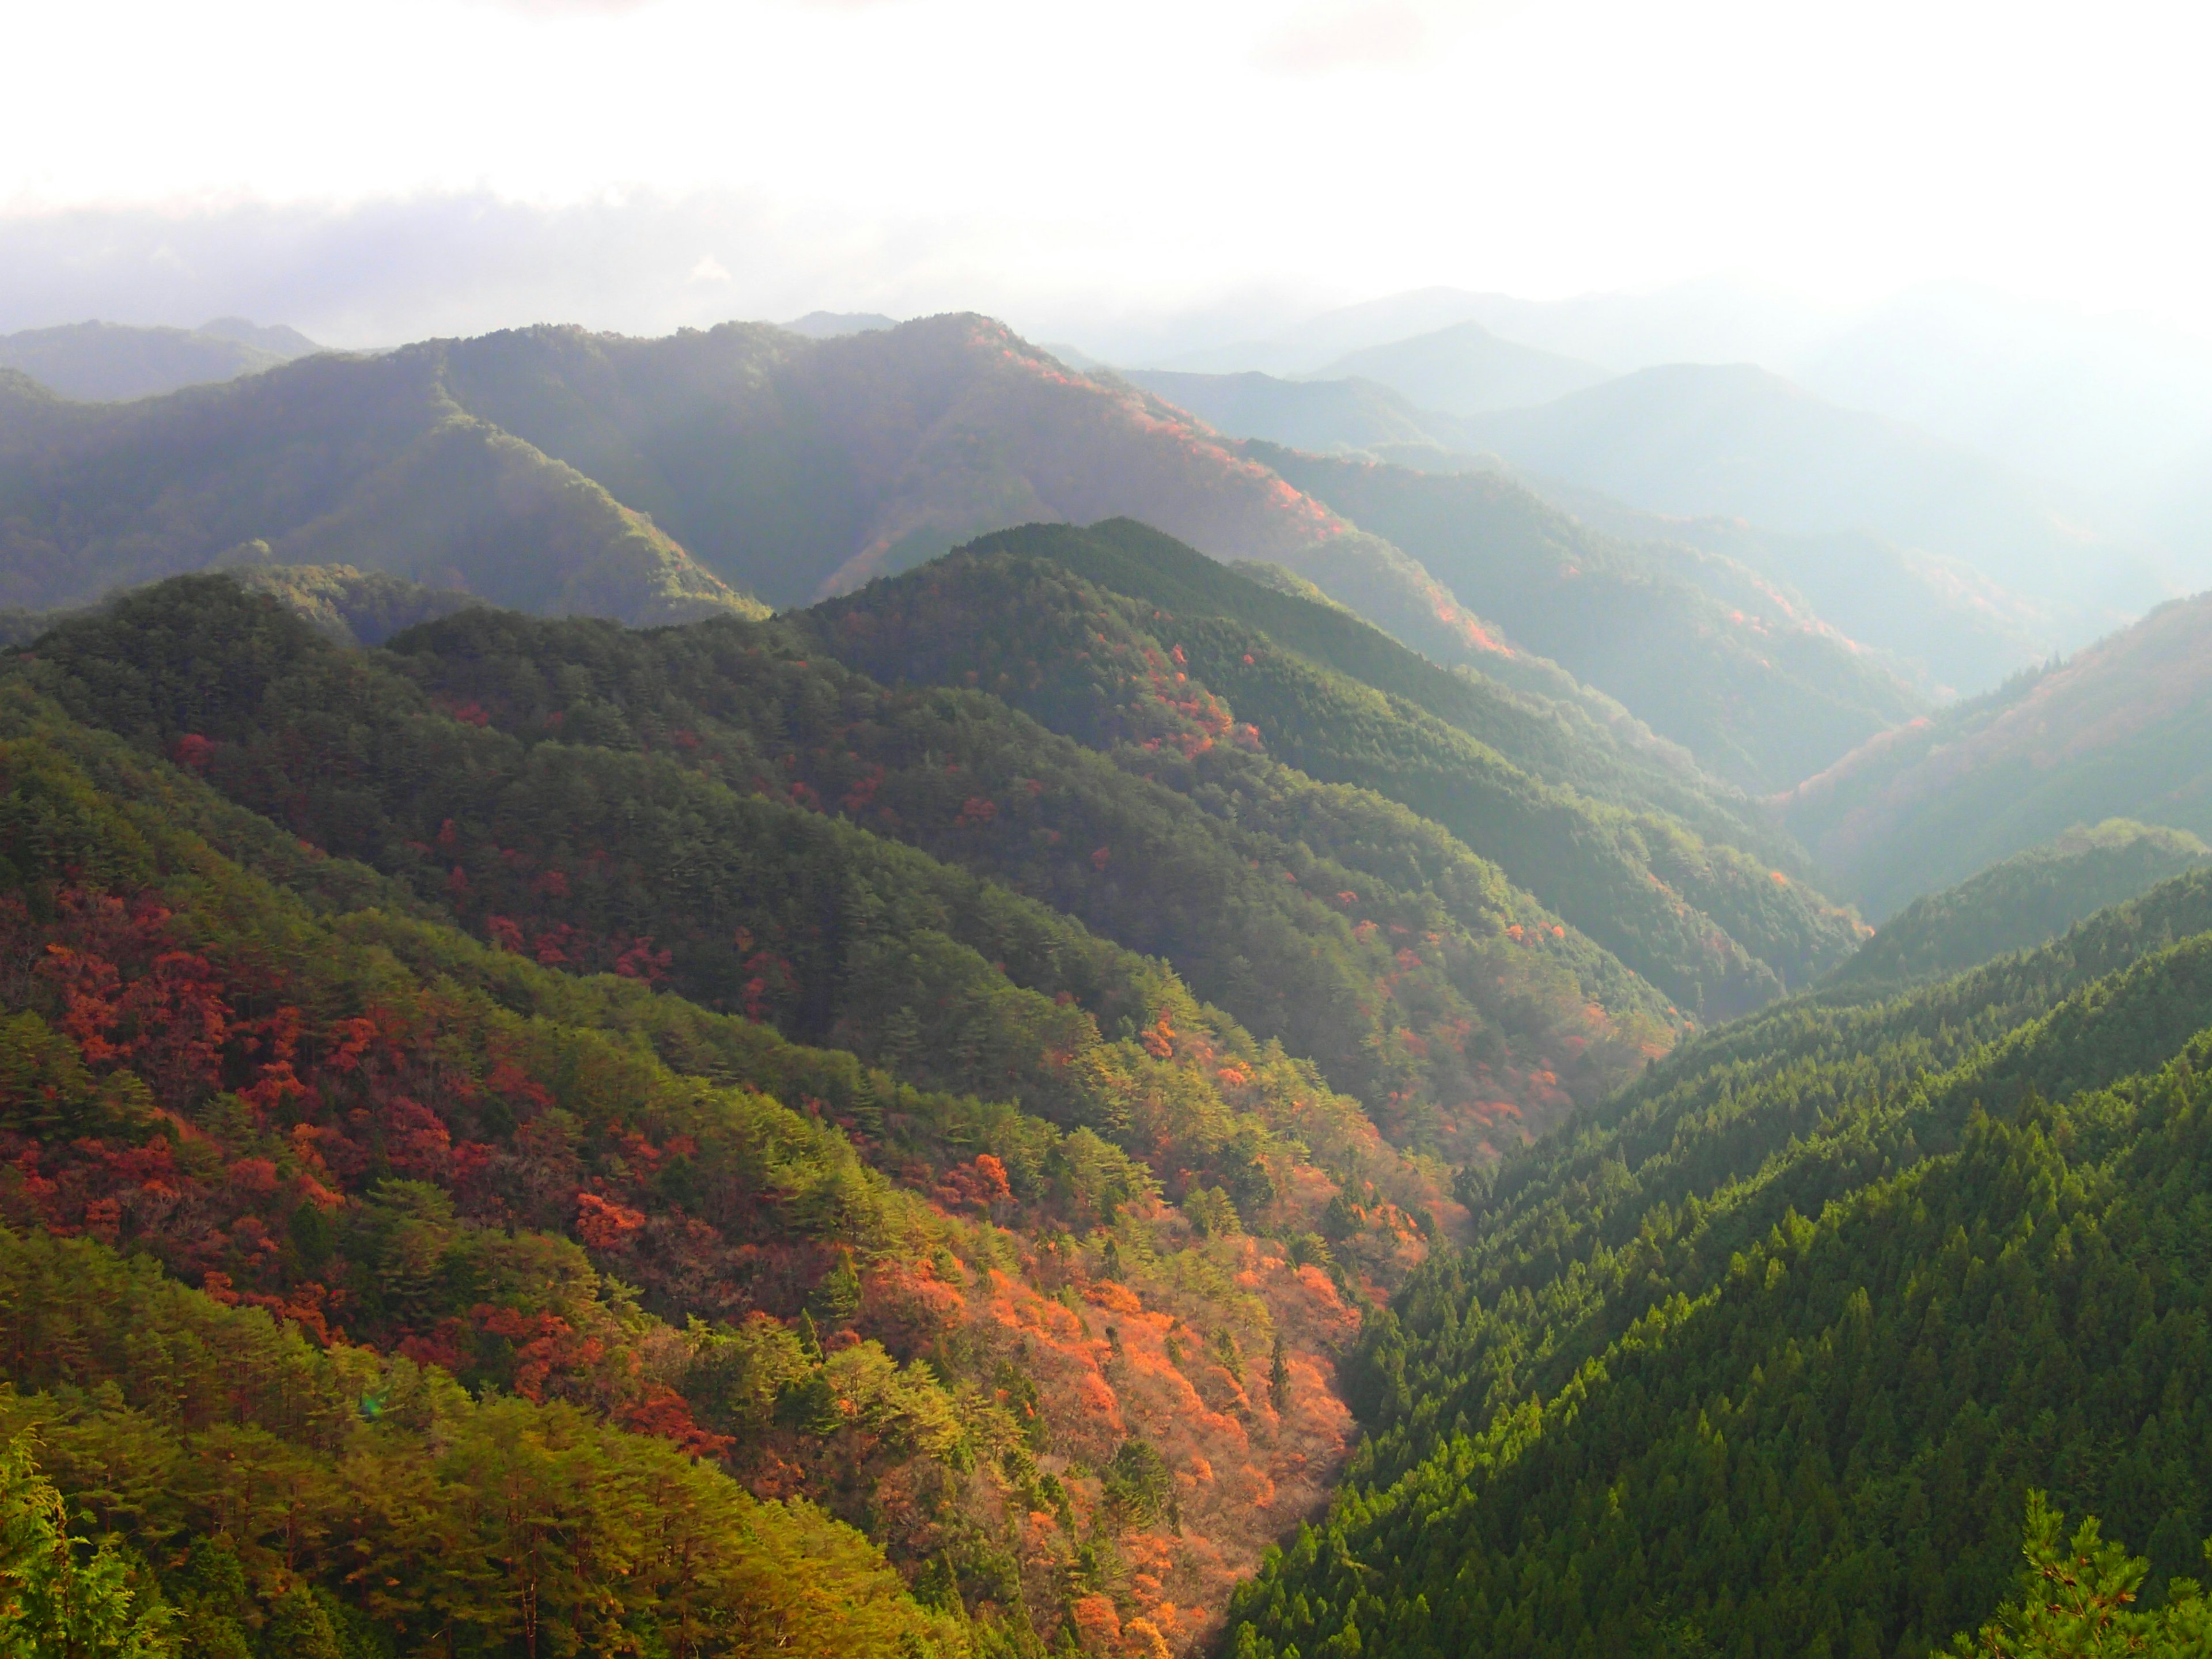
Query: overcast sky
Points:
[405, 165]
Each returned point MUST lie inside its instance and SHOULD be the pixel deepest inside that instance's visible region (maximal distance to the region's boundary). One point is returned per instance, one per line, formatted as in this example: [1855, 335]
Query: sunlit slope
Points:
[1761, 692]
[2119, 729]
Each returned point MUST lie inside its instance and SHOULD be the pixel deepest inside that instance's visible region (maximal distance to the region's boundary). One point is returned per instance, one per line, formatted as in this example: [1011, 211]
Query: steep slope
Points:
[330, 1501]
[2021, 901]
[1465, 369]
[1715, 928]
[1654, 1406]
[106, 361]
[1065, 1376]
[1760, 693]
[329, 460]
[1581, 743]
[547, 469]
[1252, 910]
[1737, 441]
[2118, 731]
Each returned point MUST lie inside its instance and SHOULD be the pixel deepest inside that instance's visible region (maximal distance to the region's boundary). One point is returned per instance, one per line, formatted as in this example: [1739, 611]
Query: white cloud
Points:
[1327, 36]
[1165, 153]
[710, 269]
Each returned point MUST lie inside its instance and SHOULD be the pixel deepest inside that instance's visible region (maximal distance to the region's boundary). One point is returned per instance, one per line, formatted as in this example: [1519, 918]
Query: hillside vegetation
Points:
[1711, 925]
[1761, 693]
[564, 472]
[1657, 1404]
[2021, 901]
[329, 460]
[1263, 1085]
[2118, 730]
[1046, 1308]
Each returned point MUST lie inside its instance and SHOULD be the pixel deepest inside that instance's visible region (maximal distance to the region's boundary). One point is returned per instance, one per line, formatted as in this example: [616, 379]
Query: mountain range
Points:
[1465, 369]
[1738, 445]
[1693, 439]
[920, 1058]
[852, 989]
[655, 480]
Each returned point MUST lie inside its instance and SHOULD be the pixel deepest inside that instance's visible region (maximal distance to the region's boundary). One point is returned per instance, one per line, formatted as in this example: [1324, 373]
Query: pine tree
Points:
[1279, 1377]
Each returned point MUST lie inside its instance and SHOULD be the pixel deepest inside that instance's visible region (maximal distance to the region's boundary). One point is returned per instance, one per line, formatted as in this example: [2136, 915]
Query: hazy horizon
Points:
[1174, 180]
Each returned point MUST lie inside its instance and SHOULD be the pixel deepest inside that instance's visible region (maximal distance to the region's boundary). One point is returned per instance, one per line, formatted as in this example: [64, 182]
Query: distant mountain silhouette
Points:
[1320, 415]
[1466, 369]
[108, 362]
[829, 324]
[1739, 440]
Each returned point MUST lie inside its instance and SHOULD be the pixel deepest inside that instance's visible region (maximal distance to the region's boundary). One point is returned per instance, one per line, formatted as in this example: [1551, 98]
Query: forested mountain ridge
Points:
[2117, 729]
[994, 1078]
[1758, 693]
[329, 460]
[734, 774]
[2021, 901]
[1717, 927]
[561, 471]
[1069, 1377]
[1816, 1432]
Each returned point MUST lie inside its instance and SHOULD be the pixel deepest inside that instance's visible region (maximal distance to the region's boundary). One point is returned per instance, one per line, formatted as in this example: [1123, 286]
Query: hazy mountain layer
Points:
[559, 471]
[2021, 902]
[1466, 369]
[1740, 441]
[1949, 626]
[104, 362]
[1934, 615]
[1759, 693]
[1337, 413]
[331, 461]
[2120, 730]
